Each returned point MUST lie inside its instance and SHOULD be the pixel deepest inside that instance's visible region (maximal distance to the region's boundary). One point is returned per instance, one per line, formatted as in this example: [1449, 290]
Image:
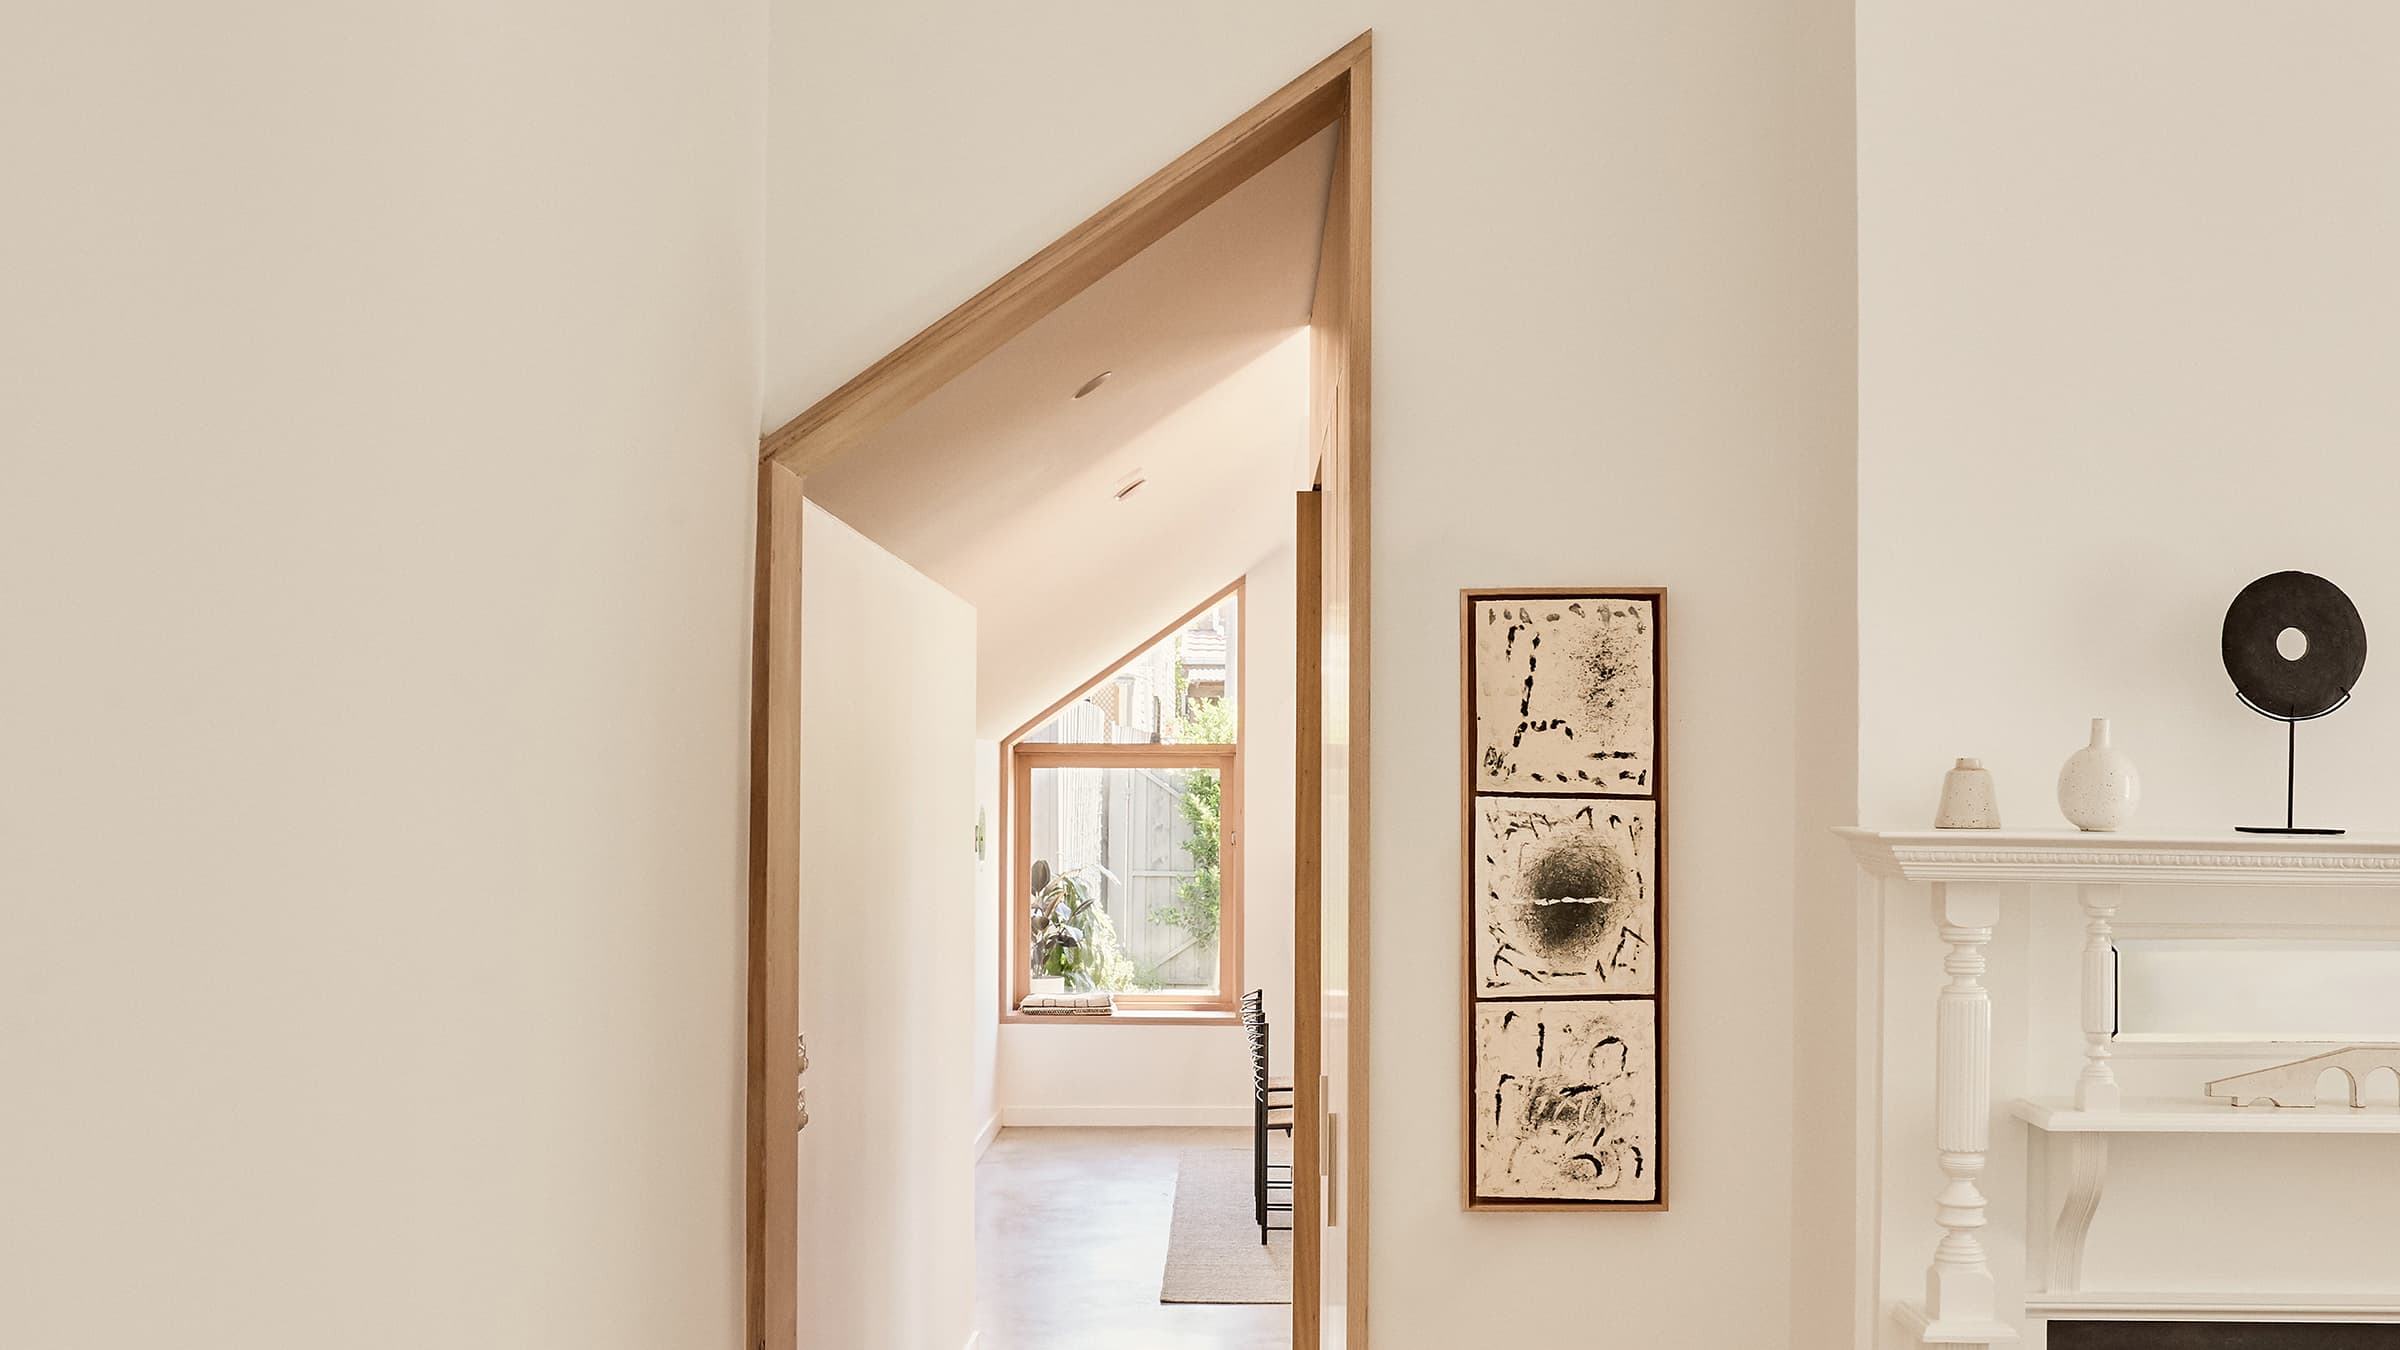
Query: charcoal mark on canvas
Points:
[1593, 1061]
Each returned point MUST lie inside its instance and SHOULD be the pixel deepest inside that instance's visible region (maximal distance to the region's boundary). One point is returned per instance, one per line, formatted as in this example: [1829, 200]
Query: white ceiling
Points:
[1000, 485]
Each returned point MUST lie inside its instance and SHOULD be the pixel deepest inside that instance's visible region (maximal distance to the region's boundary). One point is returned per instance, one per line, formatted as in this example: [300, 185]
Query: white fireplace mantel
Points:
[2073, 857]
[1964, 872]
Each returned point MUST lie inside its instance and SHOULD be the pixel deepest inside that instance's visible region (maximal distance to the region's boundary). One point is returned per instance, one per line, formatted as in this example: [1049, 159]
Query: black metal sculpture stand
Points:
[2291, 769]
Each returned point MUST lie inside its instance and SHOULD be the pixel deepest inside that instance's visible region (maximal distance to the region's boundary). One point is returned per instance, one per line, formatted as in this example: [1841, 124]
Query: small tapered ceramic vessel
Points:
[2099, 789]
[1968, 800]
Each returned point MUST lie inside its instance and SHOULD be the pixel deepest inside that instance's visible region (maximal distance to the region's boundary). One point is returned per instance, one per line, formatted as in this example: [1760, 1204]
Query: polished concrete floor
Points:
[1071, 1237]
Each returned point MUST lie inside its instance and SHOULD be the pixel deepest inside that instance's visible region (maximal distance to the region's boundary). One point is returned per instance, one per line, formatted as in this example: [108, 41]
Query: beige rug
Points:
[1213, 1251]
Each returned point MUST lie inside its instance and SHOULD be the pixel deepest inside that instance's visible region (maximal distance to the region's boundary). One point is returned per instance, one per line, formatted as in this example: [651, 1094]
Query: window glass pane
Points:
[1124, 877]
[1179, 692]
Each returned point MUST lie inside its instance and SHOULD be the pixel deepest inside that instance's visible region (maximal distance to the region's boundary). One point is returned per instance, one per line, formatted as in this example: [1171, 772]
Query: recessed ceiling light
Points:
[1093, 383]
[1127, 484]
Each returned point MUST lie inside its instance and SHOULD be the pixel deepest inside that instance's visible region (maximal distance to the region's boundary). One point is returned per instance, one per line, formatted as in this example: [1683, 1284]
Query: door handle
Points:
[1329, 1150]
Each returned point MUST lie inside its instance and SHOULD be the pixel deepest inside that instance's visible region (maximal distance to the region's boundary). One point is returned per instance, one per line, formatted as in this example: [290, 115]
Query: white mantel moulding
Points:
[2174, 858]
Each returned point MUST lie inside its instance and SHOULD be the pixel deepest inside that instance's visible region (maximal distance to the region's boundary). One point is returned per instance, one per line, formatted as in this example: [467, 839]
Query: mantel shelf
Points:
[2179, 1115]
[2185, 1306]
[2153, 858]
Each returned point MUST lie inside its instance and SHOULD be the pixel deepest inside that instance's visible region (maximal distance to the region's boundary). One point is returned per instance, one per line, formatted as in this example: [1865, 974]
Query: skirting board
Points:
[983, 1140]
[1234, 1117]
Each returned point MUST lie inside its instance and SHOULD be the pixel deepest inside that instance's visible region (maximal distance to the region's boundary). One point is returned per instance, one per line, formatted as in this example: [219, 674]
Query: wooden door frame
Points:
[1334, 91]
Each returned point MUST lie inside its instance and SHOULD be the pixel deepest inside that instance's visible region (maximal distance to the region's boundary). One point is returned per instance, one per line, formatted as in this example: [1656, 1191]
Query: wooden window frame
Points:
[1017, 763]
[1226, 760]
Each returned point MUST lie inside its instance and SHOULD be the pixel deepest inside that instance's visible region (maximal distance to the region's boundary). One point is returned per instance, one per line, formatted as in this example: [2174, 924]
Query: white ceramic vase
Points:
[1968, 801]
[2099, 788]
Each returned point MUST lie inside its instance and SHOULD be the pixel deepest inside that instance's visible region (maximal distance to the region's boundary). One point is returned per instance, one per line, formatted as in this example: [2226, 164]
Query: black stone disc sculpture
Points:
[2299, 688]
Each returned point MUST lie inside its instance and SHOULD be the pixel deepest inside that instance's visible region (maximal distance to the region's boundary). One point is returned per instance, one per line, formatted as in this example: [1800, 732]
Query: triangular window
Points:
[1180, 690]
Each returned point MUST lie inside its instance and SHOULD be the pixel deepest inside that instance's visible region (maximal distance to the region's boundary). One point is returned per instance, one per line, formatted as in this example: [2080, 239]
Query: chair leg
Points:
[1258, 1166]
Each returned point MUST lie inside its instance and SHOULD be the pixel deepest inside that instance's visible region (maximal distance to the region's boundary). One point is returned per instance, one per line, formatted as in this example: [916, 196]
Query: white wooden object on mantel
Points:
[2295, 1084]
[1965, 871]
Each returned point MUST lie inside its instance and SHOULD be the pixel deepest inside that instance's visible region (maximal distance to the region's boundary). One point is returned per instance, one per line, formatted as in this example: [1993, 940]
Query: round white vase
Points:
[2099, 788]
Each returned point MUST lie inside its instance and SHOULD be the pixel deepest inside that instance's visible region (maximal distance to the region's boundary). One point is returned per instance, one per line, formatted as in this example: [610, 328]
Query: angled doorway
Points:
[1006, 457]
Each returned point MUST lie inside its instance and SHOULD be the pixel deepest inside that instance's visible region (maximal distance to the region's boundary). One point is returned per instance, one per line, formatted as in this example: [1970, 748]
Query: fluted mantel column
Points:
[1961, 1299]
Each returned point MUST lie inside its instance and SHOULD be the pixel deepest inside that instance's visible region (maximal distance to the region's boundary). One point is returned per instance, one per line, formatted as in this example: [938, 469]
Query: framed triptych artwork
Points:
[1565, 877]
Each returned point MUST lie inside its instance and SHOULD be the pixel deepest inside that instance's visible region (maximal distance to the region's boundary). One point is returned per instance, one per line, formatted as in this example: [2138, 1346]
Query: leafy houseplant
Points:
[1072, 935]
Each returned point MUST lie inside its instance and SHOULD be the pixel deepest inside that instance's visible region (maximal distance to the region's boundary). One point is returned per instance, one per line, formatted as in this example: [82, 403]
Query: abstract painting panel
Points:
[1563, 895]
[1566, 1100]
[1564, 694]
[1562, 786]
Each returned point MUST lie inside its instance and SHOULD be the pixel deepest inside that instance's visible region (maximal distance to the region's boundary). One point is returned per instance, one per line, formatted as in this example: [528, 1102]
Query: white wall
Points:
[2127, 290]
[887, 878]
[1085, 1074]
[2126, 304]
[1612, 347]
[1123, 1075]
[378, 430]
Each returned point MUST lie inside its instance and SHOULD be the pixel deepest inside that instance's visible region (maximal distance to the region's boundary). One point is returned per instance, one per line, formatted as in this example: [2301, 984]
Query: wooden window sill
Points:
[1134, 1017]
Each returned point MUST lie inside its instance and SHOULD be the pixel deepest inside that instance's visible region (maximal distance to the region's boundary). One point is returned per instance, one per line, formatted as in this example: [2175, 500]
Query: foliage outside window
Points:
[1199, 897]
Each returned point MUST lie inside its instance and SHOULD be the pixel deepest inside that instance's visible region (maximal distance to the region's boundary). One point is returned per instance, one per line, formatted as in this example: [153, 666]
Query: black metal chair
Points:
[1271, 1111]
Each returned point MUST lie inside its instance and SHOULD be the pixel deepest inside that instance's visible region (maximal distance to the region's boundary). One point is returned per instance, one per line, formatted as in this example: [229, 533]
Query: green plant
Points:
[1199, 898]
[1072, 935]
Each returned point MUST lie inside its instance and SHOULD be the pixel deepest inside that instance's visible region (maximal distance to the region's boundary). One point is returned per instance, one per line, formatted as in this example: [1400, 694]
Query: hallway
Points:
[1071, 1239]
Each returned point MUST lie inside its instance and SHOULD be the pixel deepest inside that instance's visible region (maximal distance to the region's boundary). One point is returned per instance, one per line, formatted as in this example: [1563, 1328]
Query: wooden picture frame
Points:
[1563, 895]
